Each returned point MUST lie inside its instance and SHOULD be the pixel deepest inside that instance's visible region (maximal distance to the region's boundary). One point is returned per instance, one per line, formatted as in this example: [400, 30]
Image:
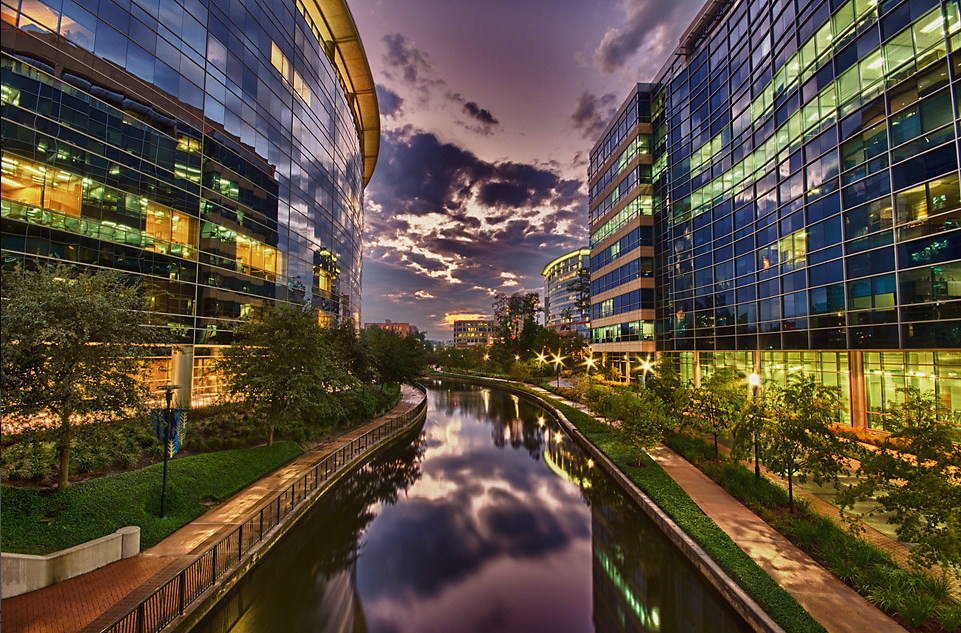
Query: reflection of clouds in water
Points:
[481, 526]
[554, 598]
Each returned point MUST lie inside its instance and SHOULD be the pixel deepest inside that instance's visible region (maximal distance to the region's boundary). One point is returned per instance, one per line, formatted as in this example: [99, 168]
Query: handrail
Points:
[169, 601]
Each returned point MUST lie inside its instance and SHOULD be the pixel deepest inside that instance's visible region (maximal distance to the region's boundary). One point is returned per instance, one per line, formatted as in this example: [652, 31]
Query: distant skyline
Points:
[488, 114]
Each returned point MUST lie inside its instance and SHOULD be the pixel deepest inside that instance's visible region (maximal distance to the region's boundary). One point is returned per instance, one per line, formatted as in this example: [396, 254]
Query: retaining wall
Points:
[20, 573]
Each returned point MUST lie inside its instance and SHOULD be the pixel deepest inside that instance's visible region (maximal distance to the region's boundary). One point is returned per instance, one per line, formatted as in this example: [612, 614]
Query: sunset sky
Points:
[488, 114]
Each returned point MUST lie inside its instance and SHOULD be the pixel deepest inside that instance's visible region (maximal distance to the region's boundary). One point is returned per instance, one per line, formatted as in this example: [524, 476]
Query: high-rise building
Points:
[806, 198]
[216, 150]
[621, 225]
[561, 312]
[468, 333]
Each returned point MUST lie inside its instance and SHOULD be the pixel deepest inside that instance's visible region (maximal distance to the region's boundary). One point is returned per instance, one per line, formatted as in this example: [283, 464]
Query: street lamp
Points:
[754, 380]
[168, 394]
[646, 367]
[557, 364]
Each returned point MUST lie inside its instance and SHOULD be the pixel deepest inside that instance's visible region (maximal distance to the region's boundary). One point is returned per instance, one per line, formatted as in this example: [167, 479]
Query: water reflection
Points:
[490, 520]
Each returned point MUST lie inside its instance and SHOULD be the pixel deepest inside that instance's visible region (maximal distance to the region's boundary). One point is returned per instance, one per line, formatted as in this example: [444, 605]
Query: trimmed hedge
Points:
[45, 520]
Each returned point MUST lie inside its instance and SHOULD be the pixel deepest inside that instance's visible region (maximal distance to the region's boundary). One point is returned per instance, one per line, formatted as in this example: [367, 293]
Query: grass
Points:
[914, 594]
[45, 520]
[671, 498]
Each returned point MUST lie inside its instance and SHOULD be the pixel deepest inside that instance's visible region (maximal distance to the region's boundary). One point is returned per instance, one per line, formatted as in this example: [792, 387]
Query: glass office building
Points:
[216, 149]
[560, 304]
[806, 196]
[621, 224]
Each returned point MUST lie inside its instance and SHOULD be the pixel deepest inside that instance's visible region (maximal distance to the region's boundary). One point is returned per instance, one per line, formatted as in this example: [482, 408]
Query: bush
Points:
[914, 594]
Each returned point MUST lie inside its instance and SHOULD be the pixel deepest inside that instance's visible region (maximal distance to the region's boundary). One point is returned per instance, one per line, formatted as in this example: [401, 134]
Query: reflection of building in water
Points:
[641, 585]
[565, 459]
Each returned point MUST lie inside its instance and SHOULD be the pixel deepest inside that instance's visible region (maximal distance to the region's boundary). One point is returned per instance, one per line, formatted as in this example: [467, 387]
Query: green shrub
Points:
[917, 607]
[950, 615]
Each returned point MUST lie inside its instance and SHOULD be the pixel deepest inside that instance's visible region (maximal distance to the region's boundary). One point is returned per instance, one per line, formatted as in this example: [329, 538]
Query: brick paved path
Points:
[92, 601]
[829, 601]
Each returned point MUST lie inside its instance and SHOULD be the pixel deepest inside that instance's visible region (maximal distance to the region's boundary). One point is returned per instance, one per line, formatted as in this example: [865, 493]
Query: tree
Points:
[719, 403]
[72, 348]
[642, 419]
[800, 439]
[350, 349]
[581, 289]
[915, 474]
[748, 430]
[665, 383]
[515, 319]
[284, 369]
[395, 358]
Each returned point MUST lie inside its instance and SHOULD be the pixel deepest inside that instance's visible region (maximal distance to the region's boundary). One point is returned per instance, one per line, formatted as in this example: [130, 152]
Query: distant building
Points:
[403, 329]
[560, 310]
[473, 332]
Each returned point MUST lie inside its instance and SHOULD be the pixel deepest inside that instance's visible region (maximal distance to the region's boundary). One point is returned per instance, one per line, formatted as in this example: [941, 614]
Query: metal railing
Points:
[169, 601]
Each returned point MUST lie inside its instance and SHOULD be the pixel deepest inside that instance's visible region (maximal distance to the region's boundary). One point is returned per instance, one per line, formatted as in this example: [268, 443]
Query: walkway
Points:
[829, 601]
[93, 601]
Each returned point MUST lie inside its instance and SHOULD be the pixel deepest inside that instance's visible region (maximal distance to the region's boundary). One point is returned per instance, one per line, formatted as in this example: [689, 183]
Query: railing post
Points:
[261, 537]
[240, 542]
[213, 577]
[183, 589]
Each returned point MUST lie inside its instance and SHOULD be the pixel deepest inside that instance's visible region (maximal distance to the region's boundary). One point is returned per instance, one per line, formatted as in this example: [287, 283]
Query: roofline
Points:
[576, 253]
[346, 53]
[636, 88]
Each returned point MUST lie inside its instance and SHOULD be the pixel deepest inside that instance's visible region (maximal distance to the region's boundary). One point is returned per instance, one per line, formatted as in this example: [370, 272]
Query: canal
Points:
[488, 518]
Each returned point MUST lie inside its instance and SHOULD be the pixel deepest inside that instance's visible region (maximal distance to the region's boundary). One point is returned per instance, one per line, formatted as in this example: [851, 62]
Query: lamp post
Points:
[168, 394]
[754, 380]
[590, 364]
[557, 363]
[646, 367]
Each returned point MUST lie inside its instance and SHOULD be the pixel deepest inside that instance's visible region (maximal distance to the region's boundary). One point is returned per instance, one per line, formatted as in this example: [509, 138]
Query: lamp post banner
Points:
[173, 442]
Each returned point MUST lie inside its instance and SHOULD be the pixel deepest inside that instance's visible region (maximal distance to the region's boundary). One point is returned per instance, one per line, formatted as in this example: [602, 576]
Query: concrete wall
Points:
[20, 573]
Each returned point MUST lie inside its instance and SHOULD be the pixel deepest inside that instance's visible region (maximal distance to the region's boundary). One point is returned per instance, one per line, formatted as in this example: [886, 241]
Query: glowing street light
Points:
[558, 364]
[646, 367]
[754, 380]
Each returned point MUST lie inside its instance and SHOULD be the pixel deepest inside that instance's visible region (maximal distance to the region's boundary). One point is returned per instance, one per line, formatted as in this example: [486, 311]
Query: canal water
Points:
[488, 519]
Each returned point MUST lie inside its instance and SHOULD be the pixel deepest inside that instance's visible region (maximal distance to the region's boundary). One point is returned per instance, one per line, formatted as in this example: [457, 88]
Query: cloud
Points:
[592, 113]
[405, 59]
[389, 101]
[652, 29]
[443, 221]
[479, 113]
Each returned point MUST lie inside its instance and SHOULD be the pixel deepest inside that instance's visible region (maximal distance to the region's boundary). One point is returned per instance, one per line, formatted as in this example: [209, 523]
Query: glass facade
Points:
[560, 310]
[621, 224]
[806, 196]
[218, 150]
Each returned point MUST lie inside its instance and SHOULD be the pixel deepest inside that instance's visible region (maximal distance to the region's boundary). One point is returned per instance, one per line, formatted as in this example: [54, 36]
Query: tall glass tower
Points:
[806, 196]
[216, 149]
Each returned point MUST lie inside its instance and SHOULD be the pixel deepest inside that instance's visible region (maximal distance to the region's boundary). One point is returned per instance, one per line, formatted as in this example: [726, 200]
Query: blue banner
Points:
[173, 442]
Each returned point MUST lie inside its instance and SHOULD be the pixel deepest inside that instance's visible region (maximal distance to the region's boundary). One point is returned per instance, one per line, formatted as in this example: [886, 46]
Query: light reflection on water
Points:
[490, 520]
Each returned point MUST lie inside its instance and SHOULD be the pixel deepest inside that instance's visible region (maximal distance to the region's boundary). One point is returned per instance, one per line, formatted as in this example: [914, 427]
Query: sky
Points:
[488, 112]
